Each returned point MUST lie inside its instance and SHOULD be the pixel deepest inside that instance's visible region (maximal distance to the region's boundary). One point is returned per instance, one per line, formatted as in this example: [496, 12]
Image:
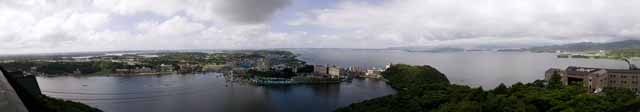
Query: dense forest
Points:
[424, 89]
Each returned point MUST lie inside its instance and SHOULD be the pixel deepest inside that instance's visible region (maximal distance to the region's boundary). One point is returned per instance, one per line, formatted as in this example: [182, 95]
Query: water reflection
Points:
[205, 93]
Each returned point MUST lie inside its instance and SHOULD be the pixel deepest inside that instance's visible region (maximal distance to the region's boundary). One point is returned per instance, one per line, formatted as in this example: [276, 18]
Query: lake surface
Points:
[210, 92]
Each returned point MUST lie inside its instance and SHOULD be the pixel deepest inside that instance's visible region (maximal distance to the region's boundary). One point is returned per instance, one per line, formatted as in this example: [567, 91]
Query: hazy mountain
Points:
[428, 49]
[589, 46]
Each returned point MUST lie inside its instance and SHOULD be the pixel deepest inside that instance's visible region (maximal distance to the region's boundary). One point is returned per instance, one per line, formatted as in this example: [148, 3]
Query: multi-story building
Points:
[374, 73]
[623, 79]
[332, 71]
[596, 79]
[319, 69]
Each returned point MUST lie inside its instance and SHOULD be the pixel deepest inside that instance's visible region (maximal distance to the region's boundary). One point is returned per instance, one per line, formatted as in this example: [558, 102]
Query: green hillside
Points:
[424, 89]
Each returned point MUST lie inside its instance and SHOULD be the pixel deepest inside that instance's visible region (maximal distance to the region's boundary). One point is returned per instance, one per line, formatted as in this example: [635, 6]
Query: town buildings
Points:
[596, 79]
[262, 64]
[136, 70]
[374, 73]
[319, 69]
[335, 71]
[332, 71]
[188, 67]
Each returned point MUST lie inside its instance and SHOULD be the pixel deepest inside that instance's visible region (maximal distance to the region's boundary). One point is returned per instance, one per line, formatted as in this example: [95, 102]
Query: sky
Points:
[44, 26]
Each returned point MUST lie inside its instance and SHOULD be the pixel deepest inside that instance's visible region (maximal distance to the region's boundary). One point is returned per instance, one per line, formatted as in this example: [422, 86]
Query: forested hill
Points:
[407, 77]
[589, 46]
[424, 89]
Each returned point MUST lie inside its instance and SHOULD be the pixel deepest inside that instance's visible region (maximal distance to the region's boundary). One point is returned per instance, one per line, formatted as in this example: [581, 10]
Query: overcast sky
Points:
[37, 26]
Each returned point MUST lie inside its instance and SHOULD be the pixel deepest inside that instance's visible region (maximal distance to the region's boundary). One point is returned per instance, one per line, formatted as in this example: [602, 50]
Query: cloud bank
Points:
[33, 26]
[419, 22]
[252, 11]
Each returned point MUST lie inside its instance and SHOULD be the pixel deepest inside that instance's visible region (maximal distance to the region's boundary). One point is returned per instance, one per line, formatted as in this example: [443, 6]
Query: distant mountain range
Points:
[589, 46]
[574, 47]
[436, 50]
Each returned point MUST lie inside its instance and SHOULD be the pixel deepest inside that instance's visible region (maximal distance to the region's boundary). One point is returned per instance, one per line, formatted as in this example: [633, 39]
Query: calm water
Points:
[486, 69]
[210, 92]
[206, 93]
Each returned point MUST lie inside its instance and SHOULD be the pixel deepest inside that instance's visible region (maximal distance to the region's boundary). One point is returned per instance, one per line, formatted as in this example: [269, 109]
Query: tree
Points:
[556, 81]
[501, 89]
[417, 94]
[306, 69]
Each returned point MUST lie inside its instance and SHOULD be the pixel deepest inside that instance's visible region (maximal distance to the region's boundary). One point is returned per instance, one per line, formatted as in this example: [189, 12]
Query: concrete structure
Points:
[354, 71]
[28, 82]
[623, 79]
[596, 79]
[9, 99]
[319, 69]
[374, 73]
[333, 71]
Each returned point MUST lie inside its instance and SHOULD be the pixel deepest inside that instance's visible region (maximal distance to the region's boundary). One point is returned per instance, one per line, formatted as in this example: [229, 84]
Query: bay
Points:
[210, 92]
[487, 69]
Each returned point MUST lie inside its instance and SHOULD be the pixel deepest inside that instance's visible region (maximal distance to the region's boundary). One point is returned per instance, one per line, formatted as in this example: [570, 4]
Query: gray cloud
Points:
[57, 38]
[215, 24]
[482, 22]
[252, 11]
